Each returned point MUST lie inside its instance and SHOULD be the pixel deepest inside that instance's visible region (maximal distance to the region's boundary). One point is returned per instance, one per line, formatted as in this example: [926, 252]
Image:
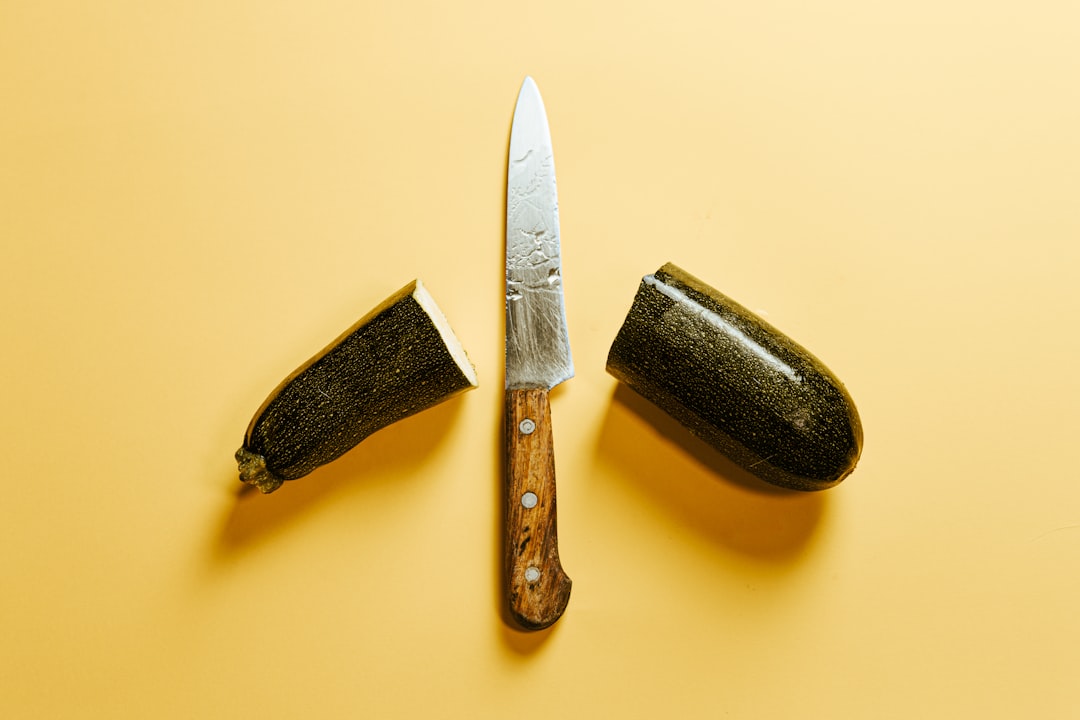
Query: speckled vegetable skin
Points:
[737, 382]
[391, 364]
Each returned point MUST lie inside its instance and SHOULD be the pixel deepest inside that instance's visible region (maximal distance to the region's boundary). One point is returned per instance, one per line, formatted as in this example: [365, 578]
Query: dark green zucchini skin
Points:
[391, 364]
[737, 382]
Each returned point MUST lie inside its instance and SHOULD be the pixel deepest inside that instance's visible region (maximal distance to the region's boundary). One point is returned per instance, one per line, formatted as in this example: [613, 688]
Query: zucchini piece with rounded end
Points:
[737, 382]
[399, 359]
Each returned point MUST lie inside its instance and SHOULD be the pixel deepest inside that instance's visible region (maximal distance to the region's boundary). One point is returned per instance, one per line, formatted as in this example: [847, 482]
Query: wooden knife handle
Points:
[537, 588]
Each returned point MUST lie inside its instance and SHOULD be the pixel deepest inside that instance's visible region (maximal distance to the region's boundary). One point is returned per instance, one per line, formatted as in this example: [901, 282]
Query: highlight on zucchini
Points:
[737, 382]
[399, 359]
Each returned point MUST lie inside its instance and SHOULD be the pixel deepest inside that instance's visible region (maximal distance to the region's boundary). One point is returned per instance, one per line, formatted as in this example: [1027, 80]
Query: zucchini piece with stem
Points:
[399, 359]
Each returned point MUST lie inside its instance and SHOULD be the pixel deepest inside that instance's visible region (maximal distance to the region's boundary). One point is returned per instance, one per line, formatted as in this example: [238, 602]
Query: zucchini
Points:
[399, 359]
[737, 382]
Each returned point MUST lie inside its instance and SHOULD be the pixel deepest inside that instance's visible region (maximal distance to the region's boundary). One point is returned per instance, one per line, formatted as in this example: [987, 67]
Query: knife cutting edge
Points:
[537, 359]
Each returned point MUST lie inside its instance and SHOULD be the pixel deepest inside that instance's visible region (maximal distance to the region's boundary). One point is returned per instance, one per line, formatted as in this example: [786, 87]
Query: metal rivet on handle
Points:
[527, 426]
[532, 574]
[529, 500]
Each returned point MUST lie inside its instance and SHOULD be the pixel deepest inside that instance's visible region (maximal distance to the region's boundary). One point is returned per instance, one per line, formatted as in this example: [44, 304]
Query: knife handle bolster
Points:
[537, 588]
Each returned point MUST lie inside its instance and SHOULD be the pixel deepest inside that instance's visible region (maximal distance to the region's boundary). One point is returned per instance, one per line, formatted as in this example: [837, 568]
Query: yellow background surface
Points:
[197, 196]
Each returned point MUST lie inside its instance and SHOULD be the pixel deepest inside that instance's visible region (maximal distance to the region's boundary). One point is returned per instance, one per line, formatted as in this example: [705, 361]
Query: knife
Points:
[537, 359]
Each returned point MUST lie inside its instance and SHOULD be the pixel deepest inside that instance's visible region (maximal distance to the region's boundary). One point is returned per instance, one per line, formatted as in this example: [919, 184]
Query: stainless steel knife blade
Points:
[537, 359]
[537, 341]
